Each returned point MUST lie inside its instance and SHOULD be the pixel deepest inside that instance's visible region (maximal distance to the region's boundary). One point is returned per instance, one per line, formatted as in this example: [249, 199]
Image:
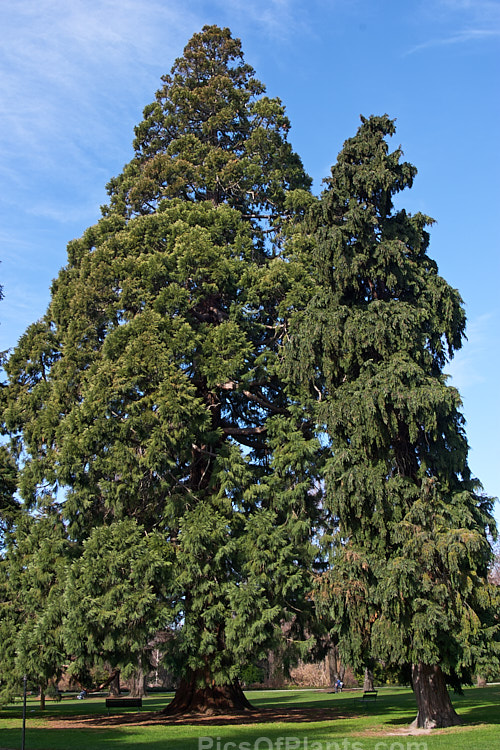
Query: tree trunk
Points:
[210, 699]
[433, 702]
[335, 668]
[481, 681]
[137, 683]
[368, 679]
[42, 698]
[114, 684]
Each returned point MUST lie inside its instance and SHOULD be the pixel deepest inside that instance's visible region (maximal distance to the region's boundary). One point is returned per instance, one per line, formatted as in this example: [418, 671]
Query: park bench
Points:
[123, 703]
[369, 695]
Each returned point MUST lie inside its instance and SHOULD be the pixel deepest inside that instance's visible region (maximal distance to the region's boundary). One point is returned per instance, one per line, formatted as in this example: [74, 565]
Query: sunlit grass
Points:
[373, 726]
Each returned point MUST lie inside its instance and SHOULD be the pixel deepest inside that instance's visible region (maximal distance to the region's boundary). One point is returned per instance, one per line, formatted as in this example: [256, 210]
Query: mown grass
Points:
[362, 727]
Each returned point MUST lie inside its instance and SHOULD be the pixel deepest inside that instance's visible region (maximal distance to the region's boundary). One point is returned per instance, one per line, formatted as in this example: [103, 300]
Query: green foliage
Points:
[150, 391]
[32, 583]
[112, 596]
[238, 387]
[53, 693]
[9, 505]
[407, 537]
[252, 674]
[211, 135]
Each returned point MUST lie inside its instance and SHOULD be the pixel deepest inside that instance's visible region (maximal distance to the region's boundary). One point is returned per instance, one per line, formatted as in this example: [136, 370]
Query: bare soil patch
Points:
[404, 731]
[144, 718]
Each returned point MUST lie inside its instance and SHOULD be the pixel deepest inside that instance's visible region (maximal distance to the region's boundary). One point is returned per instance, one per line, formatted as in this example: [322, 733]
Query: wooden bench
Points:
[123, 703]
[369, 695]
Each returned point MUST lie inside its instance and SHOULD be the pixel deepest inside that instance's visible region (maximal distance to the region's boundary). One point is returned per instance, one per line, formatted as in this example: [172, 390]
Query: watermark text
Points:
[304, 743]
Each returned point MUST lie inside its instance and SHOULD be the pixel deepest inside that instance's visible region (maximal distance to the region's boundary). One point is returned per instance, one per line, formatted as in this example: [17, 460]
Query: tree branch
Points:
[236, 431]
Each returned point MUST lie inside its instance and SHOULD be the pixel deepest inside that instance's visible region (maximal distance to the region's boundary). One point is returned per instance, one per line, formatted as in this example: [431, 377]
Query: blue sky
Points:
[75, 76]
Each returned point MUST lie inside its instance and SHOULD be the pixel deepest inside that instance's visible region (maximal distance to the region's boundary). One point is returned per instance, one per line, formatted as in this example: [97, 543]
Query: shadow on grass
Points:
[478, 705]
[344, 719]
[181, 737]
[475, 706]
[87, 707]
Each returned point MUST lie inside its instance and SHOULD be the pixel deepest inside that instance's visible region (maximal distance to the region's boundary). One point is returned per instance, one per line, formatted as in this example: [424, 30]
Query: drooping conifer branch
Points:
[407, 522]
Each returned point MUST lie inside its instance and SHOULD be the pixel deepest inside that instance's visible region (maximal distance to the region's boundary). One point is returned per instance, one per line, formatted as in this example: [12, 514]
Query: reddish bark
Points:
[433, 701]
[209, 699]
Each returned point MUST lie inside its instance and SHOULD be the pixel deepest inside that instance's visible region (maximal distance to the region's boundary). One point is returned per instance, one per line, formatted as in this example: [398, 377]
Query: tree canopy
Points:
[150, 389]
[233, 415]
[407, 538]
[211, 135]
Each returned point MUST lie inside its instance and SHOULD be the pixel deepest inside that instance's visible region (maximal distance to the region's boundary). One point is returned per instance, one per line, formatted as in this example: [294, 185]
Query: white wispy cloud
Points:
[455, 22]
[467, 367]
[74, 78]
[276, 19]
[64, 66]
[70, 70]
[467, 35]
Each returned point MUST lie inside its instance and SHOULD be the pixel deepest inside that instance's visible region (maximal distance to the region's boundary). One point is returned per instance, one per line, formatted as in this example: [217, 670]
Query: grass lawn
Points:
[374, 726]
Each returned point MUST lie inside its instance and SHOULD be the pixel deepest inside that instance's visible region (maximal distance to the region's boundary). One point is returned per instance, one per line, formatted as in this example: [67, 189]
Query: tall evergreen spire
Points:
[409, 542]
[211, 134]
[150, 389]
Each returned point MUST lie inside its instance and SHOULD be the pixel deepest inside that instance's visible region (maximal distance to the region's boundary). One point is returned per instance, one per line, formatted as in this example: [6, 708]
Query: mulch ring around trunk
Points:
[262, 716]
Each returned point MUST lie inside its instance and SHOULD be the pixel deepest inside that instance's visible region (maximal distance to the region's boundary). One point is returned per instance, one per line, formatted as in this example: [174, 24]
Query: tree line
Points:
[232, 425]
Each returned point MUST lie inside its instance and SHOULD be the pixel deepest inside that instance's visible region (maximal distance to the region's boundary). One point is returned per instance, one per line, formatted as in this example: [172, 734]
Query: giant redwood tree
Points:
[150, 391]
[407, 536]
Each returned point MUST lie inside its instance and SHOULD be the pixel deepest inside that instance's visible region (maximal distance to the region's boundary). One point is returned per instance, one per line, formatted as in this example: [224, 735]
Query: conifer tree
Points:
[9, 506]
[150, 388]
[211, 135]
[115, 596]
[32, 584]
[407, 535]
